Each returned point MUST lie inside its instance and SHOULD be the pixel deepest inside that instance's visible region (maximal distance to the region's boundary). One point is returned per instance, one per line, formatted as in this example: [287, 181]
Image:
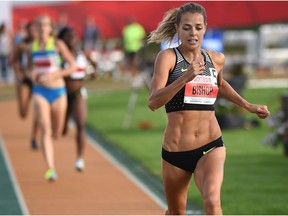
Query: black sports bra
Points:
[198, 94]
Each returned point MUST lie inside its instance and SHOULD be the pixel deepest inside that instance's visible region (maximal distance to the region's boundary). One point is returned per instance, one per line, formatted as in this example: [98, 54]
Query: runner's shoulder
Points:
[167, 55]
[217, 57]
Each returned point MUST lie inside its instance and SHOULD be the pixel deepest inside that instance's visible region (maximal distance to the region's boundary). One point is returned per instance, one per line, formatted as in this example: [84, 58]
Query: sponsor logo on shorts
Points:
[205, 152]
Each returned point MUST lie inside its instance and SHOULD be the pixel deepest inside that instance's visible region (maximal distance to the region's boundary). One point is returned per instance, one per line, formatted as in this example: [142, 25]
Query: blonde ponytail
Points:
[166, 29]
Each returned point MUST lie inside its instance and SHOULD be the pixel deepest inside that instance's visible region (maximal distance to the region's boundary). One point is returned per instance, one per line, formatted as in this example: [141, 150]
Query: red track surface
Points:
[100, 189]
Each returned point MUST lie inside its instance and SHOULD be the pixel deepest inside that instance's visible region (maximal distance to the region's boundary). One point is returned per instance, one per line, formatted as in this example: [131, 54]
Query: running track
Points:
[103, 188]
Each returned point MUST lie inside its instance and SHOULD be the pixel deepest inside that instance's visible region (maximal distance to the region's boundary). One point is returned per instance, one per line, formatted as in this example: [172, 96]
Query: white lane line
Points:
[126, 172]
[267, 83]
[13, 178]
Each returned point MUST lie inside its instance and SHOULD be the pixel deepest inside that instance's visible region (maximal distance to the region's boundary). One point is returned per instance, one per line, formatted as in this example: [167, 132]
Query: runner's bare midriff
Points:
[59, 82]
[187, 130]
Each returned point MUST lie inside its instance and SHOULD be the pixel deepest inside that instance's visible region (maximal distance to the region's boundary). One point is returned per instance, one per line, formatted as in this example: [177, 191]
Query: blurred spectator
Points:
[228, 114]
[133, 35]
[238, 78]
[91, 34]
[62, 22]
[21, 33]
[5, 50]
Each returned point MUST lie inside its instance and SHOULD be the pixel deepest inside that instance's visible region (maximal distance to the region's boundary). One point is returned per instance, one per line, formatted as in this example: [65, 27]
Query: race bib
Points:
[45, 62]
[201, 90]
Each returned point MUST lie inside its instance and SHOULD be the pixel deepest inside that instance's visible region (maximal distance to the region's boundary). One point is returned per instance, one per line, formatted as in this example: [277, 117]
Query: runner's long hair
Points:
[166, 29]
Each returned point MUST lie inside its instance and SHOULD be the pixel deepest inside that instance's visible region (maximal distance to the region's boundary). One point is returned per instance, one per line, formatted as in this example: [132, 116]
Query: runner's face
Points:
[74, 39]
[45, 27]
[71, 38]
[191, 30]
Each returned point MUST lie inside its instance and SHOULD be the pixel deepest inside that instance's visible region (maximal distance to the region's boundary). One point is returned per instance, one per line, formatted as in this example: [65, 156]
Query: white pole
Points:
[130, 109]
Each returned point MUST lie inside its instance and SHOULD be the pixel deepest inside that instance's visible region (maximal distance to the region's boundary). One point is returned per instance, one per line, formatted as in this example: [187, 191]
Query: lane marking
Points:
[13, 178]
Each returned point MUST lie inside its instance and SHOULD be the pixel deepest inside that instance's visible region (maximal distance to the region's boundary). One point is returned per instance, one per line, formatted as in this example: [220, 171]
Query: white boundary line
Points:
[267, 83]
[124, 170]
[13, 178]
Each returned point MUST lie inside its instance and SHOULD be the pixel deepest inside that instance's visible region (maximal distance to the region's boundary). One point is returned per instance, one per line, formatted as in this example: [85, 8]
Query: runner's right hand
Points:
[196, 67]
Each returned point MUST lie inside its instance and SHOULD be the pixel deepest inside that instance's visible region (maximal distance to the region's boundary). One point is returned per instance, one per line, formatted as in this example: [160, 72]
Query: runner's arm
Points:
[160, 94]
[227, 92]
[16, 57]
[68, 57]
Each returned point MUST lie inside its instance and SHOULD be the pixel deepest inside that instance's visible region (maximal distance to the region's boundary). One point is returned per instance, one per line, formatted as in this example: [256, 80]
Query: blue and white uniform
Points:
[46, 61]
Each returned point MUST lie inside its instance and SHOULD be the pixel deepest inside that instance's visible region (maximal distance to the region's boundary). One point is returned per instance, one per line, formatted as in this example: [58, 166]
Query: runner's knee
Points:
[212, 203]
[56, 134]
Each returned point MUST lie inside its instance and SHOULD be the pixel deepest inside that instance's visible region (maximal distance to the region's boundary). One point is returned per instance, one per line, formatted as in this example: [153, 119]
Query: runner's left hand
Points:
[260, 110]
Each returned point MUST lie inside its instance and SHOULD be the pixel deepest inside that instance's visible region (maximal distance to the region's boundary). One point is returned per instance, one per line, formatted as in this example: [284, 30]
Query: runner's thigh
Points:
[176, 183]
[209, 171]
[42, 112]
[58, 110]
